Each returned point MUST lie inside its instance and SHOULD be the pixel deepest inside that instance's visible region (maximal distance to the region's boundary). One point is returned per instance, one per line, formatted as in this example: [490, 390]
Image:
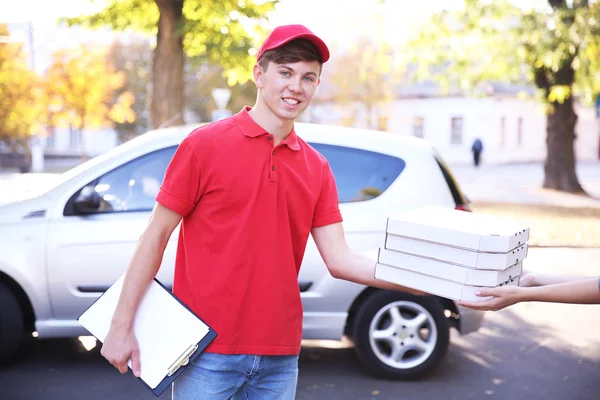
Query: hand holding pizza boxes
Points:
[451, 253]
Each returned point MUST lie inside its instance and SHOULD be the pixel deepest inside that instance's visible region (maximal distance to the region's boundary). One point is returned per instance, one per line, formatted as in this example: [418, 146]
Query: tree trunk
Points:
[166, 106]
[559, 167]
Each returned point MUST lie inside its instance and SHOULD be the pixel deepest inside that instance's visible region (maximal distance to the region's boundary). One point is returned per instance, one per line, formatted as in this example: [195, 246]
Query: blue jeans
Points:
[238, 377]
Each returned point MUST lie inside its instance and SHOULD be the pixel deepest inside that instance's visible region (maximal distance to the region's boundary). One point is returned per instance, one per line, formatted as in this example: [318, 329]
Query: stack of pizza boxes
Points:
[451, 253]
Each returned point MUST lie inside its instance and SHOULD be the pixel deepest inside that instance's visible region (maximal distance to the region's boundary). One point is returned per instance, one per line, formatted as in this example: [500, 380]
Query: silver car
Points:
[64, 246]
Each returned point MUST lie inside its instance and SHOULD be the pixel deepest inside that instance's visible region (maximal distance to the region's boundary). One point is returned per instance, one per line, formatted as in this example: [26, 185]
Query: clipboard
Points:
[169, 334]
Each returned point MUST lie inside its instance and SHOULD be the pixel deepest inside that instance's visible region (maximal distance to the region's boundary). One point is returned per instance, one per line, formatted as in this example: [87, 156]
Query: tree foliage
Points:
[81, 86]
[217, 32]
[20, 92]
[497, 40]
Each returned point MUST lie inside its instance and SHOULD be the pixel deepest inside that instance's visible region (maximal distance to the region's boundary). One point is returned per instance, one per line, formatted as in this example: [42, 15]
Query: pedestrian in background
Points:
[477, 149]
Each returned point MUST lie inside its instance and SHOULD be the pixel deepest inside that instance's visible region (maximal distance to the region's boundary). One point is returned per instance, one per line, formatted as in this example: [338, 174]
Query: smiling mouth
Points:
[290, 102]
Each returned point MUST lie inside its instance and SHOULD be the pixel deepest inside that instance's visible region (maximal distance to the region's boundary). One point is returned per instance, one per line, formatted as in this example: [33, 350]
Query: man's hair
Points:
[291, 52]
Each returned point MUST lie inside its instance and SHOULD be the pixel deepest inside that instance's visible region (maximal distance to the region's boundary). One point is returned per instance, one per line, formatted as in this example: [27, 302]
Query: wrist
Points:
[523, 293]
[121, 324]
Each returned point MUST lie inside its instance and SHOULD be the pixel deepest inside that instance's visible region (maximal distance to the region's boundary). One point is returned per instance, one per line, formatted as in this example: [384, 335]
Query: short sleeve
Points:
[327, 210]
[180, 190]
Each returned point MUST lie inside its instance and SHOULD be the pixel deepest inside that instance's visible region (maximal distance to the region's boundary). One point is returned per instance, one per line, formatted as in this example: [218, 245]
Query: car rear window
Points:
[360, 174]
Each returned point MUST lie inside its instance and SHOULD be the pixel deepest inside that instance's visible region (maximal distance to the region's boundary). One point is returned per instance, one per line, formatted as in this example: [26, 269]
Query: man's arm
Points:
[120, 344]
[344, 263]
[582, 291]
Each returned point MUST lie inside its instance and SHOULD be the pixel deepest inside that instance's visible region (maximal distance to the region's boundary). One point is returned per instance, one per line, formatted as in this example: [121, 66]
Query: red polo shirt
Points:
[248, 208]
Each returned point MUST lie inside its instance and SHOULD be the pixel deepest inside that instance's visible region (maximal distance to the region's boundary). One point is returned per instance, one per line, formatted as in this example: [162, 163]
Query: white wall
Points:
[481, 118]
[91, 142]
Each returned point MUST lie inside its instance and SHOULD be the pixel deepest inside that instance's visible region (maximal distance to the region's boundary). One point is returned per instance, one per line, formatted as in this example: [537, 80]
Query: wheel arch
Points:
[22, 299]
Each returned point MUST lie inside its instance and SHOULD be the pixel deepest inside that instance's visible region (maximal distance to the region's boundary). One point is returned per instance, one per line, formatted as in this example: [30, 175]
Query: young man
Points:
[249, 192]
[541, 287]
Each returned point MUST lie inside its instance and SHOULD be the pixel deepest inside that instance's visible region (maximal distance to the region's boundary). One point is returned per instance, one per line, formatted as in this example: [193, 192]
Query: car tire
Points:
[401, 336]
[12, 327]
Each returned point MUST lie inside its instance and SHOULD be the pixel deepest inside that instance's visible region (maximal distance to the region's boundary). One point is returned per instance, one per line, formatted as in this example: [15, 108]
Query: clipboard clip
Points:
[183, 359]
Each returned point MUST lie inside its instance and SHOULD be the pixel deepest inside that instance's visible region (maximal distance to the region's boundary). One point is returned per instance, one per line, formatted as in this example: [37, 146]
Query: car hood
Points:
[16, 188]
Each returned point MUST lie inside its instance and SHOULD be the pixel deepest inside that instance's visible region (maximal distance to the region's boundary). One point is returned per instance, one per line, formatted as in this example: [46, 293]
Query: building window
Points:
[502, 131]
[456, 133]
[418, 126]
[520, 131]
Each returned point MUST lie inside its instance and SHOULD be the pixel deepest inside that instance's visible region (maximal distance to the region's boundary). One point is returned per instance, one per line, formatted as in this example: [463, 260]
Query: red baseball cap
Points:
[286, 33]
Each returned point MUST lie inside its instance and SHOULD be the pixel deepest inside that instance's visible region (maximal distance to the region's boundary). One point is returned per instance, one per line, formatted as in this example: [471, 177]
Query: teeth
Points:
[291, 102]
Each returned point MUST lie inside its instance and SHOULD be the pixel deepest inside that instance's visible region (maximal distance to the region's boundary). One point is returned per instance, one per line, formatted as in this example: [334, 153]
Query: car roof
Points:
[386, 142]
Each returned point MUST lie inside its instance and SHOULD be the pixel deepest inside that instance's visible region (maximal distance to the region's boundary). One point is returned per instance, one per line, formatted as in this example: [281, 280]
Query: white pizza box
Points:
[433, 285]
[450, 272]
[455, 255]
[457, 228]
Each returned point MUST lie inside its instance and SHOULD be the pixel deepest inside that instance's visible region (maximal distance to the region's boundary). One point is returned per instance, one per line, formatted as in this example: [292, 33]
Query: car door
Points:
[361, 178]
[88, 251]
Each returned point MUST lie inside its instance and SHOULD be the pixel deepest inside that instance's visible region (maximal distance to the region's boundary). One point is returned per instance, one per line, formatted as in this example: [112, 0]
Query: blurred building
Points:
[512, 128]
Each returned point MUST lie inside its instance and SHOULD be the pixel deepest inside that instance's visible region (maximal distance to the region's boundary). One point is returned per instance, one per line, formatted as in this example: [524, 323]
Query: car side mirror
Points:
[87, 201]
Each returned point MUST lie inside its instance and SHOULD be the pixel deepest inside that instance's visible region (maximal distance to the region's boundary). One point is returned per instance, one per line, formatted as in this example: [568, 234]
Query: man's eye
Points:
[285, 73]
[310, 79]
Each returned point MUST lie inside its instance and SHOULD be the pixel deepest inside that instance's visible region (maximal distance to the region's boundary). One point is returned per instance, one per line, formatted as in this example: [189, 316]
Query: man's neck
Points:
[280, 129]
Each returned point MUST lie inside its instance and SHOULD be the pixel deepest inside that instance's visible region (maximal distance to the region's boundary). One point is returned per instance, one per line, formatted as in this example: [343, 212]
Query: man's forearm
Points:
[358, 268]
[578, 292]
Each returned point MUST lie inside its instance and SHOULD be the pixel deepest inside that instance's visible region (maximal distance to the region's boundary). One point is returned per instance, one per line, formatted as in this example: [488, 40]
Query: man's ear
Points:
[258, 74]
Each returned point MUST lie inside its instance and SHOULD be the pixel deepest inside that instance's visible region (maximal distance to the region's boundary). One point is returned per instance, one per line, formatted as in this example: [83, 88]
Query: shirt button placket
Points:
[272, 176]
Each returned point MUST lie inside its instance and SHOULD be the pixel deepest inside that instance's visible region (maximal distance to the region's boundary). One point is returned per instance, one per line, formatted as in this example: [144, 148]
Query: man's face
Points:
[287, 89]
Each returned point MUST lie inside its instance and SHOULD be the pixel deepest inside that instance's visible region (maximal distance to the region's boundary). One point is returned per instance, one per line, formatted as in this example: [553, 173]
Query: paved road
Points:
[530, 351]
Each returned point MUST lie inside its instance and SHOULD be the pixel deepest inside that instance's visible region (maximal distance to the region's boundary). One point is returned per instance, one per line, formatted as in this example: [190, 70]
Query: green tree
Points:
[222, 32]
[82, 89]
[20, 92]
[554, 48]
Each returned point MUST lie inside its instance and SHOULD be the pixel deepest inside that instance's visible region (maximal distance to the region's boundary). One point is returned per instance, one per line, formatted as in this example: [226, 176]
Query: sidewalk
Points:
[522, 183]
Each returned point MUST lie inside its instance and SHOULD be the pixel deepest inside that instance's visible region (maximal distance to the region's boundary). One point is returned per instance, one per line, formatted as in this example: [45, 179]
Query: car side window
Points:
[360, 174]
[133, 186]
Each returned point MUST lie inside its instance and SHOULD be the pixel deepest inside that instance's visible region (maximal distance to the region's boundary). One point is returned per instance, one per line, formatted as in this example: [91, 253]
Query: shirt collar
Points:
[250, 128]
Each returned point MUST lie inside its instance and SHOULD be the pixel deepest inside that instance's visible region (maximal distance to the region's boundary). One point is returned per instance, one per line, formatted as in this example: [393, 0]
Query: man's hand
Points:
[119, 347]
[503, 296]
